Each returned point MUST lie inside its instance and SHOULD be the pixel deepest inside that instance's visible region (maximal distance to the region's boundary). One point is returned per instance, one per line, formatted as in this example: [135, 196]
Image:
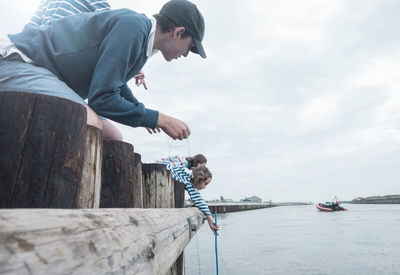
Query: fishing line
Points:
[171, 141]
[198, 254]
[221, 253]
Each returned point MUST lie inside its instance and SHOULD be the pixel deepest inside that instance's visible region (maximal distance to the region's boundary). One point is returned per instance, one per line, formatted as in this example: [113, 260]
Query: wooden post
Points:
[179, 195]
[94, 241]
[89, 189]
[138, 186]
[158, 189]
[161, 191]
[118, 175]
[42, 141]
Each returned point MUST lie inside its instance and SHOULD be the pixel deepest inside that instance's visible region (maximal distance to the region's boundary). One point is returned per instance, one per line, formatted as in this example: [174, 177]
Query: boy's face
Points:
[177, 46]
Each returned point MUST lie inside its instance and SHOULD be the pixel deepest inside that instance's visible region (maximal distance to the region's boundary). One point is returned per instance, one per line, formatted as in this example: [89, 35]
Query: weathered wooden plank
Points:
[89, 189]
[137, 181]
[94, 241]
[50, 168]
[177, 267]
[117, 187]
[179, 202]
[15, 118]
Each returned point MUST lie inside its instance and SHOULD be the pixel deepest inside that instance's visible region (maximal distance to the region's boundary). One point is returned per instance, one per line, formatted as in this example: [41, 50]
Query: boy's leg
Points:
[17, 75]
[111, 132]
[92, 118]
[20, 76]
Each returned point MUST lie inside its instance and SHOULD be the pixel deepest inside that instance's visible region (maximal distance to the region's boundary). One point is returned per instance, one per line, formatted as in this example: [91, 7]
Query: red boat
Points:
[330, 207]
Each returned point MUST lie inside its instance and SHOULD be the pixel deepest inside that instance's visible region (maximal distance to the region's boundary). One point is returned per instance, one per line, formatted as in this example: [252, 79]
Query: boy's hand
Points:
[175, 128]
[212, 225]
[139, 80]
[153, 131]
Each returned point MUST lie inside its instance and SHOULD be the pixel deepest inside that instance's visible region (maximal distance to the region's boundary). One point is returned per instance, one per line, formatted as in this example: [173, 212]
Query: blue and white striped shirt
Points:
[180, 172]
[53, 9]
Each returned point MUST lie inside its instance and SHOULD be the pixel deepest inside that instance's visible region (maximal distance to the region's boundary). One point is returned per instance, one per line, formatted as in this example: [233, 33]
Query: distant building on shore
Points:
[254, 199]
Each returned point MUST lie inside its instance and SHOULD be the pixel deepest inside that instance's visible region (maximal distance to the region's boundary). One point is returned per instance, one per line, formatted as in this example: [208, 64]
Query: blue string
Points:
[216, 248]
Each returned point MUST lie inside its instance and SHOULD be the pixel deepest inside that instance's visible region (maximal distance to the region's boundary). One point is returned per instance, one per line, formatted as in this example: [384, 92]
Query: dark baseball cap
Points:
[185, 14]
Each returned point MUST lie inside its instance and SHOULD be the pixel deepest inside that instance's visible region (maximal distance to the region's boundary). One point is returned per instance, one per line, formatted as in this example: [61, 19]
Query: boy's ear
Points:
[178, 31]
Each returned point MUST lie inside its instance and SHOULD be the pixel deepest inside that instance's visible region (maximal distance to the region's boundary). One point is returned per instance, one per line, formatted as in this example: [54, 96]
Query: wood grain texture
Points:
[42, 140]
[89, 189]
[15, 116]
[118, 179]
[157, 186]
[93, 241]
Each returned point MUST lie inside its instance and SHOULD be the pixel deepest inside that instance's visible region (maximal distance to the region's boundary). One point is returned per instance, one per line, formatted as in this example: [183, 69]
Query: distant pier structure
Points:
[71, 203]
[387, 199]
[223, 207]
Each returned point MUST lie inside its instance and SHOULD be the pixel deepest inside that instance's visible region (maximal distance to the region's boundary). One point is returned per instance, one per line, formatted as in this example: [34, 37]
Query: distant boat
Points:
[330, 207]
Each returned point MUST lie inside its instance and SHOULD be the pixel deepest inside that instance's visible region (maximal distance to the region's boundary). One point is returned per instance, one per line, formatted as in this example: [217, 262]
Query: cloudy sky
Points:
[297, 100]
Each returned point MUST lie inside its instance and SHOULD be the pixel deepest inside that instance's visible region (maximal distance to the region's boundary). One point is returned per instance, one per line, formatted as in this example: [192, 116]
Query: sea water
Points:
[300, 240]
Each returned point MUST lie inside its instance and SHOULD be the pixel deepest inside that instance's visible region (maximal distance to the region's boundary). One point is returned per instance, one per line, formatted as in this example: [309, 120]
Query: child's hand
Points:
[212, 225]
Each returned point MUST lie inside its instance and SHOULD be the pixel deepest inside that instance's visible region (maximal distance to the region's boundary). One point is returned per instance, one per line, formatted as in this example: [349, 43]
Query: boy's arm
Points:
[109, 95]
[119, 104]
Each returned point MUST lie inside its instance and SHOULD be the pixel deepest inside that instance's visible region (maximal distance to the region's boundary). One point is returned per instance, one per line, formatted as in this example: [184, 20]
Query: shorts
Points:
[19, 76]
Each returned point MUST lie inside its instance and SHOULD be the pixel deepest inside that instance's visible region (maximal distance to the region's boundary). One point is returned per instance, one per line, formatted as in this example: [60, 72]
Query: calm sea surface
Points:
[301, 240]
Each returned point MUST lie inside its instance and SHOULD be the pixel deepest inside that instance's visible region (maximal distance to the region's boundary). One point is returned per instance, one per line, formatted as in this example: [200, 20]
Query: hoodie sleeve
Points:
[109, 94]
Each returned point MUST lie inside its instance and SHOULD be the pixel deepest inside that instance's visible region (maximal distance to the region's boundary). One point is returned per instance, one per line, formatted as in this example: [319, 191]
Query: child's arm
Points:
[201, 204]
[211, 223]
[195, 194]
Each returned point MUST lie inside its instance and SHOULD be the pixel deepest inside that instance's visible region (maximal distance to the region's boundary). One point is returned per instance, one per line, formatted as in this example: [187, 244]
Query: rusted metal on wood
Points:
[93, 241]
[89, 189]
[118, 175]
[42, 140]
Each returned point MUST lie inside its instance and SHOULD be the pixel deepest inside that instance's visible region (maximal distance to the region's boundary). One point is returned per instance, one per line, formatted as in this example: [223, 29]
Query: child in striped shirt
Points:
[193, 173]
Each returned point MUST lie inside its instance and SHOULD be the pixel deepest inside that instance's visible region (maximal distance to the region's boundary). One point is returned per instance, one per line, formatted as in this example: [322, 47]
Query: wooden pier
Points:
[75, 204]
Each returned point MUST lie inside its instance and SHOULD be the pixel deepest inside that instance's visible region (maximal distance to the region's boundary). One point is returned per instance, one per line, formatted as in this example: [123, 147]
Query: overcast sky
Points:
[297, 100]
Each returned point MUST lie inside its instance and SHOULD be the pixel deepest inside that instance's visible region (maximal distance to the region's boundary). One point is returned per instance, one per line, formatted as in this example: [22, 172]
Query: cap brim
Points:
[198, 48]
